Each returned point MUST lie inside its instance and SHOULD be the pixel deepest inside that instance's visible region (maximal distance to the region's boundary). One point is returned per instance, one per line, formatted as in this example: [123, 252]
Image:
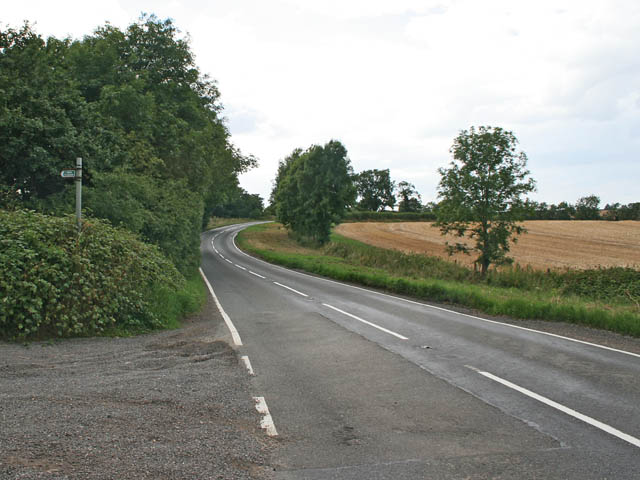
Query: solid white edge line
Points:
[247, 364]
[267, 422]
[401, 337]
[256, 274]
[591, 421]
[575, 340]
[292, 289]
[234, 333]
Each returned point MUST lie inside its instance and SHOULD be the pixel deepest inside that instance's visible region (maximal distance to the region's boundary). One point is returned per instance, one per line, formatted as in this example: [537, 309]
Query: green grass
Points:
[170, 307]
[517, 293]
[216, 222]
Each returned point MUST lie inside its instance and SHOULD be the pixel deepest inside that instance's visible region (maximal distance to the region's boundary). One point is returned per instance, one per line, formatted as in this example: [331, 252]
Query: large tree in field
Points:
[482, 192]
[375, 189]
[410, 200]
[313, 189]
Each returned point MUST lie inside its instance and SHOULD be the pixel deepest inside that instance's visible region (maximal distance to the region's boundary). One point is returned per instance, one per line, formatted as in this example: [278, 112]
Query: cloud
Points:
[397, 80]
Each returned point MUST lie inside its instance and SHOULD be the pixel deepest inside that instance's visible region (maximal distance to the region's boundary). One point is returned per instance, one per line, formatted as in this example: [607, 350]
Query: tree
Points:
[241, 205]
[410, 200]
[133, 104]
[313, 189]
[375, 190]
[588, 208]
[481, 193]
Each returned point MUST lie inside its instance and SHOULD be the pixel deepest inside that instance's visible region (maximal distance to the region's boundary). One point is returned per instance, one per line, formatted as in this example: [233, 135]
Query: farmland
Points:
[547, 244]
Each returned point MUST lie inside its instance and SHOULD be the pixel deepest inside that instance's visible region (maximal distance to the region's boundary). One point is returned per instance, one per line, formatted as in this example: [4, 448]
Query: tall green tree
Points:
[588, 208]
[410, 200]
[482, 193]
[313, 189]
[44, 122]
[135, 106]
[375, 190]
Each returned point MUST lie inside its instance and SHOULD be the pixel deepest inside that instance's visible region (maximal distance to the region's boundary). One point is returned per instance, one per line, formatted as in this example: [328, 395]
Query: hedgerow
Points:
[56, 281]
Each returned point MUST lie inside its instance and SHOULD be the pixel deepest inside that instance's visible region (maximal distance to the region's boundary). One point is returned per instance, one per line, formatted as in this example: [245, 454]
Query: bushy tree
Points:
[481, 193]
[241, 205]
[313, 189]
[410, 200]
[134, 105]
[375, 190]
[588, 208]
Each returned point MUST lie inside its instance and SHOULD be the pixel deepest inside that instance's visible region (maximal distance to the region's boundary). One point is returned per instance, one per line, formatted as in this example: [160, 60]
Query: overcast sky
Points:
[396, 80]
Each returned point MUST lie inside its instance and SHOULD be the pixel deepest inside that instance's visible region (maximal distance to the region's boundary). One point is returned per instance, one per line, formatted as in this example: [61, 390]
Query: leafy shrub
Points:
[55, 281]
[362, 216]
[603, 283]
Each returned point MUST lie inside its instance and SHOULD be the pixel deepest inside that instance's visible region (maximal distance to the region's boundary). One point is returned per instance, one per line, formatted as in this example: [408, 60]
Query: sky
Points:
[397, 80]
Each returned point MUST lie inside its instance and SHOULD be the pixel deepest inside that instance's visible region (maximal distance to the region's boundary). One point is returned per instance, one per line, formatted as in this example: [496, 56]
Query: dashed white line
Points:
[401, 337]
[241, 267]
[256, 274]
[292, 289]
[234, 333]
[247, 364]
[227, 260]
[591, 421]
[575, 340]
[266, 422]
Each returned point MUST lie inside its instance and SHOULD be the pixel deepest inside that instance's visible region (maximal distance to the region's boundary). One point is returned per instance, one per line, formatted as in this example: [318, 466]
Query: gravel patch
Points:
[169, 405]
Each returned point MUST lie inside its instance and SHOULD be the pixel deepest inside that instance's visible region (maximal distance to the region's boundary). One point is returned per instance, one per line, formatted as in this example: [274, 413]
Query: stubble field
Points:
[553, 244]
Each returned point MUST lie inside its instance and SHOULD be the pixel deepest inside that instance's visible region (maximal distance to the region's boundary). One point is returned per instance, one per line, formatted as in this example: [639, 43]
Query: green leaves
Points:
[481, 193]
[157, 155]
[56, 282]
[375, 190]
[313, 189]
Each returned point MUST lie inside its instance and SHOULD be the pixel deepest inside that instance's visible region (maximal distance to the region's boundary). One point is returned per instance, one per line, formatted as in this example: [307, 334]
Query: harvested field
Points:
[547, 244]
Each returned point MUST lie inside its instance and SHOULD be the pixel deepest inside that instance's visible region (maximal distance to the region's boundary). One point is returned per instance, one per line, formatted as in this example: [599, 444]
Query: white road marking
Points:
[241, 267]
[256, 274]
[292, 289]
[604, 347]
[401, 337]
[247, 364]
[591, 421]
[227, 260]
[266, 422]
[234, 333]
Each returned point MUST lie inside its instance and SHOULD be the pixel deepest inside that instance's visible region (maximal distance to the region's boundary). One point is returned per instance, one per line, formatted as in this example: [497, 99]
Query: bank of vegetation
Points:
[157, 164]
[600, 298]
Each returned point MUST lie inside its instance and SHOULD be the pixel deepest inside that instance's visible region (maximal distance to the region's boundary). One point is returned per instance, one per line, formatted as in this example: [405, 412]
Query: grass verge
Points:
[216, 222]
[170, 307]
[352, 261]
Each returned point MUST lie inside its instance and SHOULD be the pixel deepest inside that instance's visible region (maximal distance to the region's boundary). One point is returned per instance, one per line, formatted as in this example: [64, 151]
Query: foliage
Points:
[410, 200]
[622, 212]
[375, 190]
[56, 282]
[313, 189]
[588, 208]
[438, 280]
[134, 105]
[241, 205]
[360, 216]
[481, 193]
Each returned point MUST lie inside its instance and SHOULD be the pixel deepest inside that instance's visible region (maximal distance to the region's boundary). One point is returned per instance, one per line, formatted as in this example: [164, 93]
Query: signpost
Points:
[76, 174]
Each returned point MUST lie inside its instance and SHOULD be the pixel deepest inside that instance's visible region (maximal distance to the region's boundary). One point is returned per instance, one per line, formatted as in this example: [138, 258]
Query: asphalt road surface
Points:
[363, 385]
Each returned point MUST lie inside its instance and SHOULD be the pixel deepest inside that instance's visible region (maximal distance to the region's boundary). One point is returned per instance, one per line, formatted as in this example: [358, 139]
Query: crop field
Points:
[547, 244]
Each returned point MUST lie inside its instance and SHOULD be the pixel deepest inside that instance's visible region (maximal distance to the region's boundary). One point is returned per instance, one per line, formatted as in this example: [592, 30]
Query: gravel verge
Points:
[169, 405]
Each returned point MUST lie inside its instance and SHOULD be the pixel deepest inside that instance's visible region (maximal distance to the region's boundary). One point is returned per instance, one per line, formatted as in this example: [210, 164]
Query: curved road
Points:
[364, 385]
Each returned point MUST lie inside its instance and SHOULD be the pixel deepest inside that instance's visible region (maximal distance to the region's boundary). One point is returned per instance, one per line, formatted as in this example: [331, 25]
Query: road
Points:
[363, 385]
